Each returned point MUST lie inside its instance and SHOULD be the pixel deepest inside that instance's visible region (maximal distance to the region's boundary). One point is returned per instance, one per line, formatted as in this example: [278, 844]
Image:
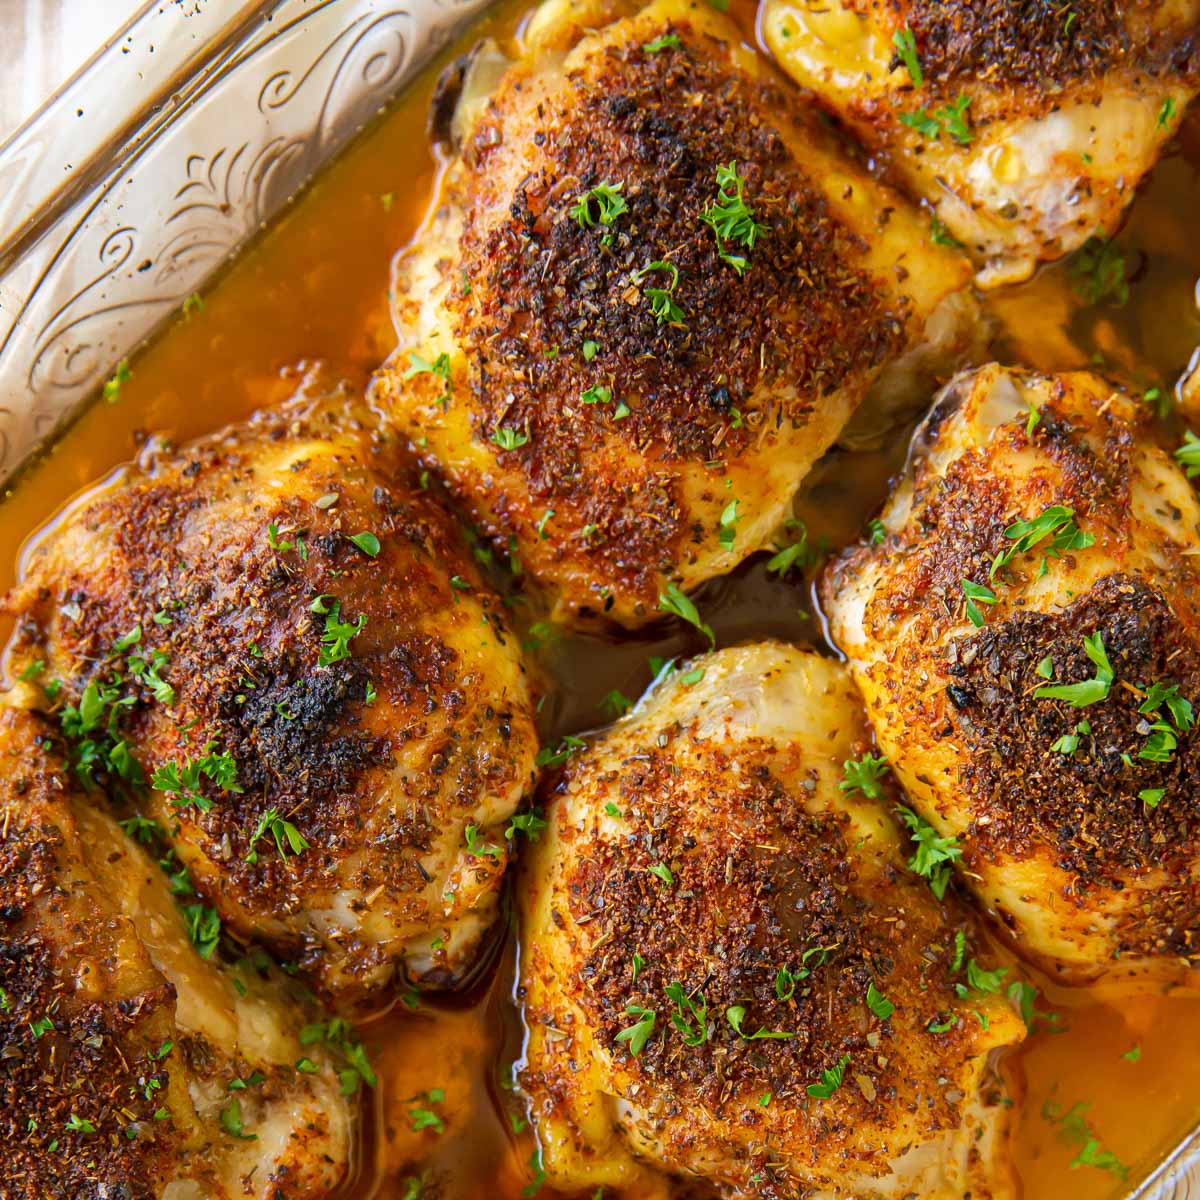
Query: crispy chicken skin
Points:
[1088, 850]
[607, 495]
[120, 1040]
[704, 842]
[379, 745]
[1066, 106]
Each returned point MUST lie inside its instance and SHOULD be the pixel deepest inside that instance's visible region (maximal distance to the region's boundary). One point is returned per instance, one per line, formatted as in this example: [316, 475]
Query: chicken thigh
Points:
[132, 1066]
[279, 647]
[728, 971]
[1027, 638]
[651, 296]
[1027, 126]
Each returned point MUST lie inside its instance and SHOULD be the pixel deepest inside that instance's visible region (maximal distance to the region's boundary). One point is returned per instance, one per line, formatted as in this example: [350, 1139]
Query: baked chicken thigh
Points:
[1027, 126]
[651, 296]
[1027, 638]
[281, 650]
[132, 1066]
[730, 974]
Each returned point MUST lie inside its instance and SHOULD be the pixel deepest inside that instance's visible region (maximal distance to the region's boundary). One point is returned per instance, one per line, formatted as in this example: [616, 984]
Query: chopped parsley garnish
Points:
[590, 350]
[181, 782]
[863, 775]
[976, 592]
[112, 386]
[951, 117]
[1056, 523]
[1098, 272]
[1089, 691]
[203, 926]
[231, 1121]
[616, 704]
[530, 824]
[727, 531]
[663, 872]
[638, 1034]
[988, 983]
[287, 836]
[77, 1124]
[338, 1034]
[368, 543]
[1166, 113]
[798, 556]
[596, 394]
[665, 310]
[878, 1003]
[601, 205]
[1076, 1130]
[425, 1118]
[875, 532]
[690, 1017]
[193, 304]
[335, 641]
[735, 1014]
[668, 41]
[923, 123]
[1069, 742]
[786, 979]
[547, 757]
[1188, 455]
[940, 235]
[906, 53]
[934, 853]
[955, 121]
[675, 602]
[831, 1080]
[478, 848]
[509, 439]
[422, 366]
[730, 217]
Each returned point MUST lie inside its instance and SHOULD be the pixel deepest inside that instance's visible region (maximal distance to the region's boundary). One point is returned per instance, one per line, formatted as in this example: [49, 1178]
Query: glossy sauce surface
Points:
[314, 287]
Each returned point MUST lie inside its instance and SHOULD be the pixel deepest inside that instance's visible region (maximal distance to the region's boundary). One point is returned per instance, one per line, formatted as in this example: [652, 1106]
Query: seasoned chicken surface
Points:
[1027, 126]
[730, 974]
[652, 295]
[1041, 712]
[133, 1067]
[280, 648]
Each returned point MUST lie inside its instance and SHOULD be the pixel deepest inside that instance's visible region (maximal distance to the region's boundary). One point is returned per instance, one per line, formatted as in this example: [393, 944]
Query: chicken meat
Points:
[279, 647]
[729, 972]
[132, 1065]
[1026, 126]
[1025, 630]
[652, 294]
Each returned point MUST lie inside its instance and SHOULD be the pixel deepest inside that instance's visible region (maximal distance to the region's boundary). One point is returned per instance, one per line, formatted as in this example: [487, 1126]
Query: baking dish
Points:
[207, 123]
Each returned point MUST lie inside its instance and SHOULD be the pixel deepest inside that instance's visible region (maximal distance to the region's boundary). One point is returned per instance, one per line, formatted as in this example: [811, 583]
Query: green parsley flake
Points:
[730, 217]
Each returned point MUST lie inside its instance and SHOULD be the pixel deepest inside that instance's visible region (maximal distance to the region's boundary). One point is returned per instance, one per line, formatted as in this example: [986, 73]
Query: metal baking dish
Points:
[148, 171]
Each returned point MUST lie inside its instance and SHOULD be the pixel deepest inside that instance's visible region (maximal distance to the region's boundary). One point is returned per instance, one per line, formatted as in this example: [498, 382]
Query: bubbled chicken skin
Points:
[1027, 127]
[601, 446]
[705, 843]
[365, 696]
[1087, 850]
[120, 1040]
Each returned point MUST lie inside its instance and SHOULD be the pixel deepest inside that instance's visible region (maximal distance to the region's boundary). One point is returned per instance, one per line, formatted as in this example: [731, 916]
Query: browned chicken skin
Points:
[1078, 812]
[628, 399]
[336, 730]
[1027, 126]
[712, 925]
[120, 1040]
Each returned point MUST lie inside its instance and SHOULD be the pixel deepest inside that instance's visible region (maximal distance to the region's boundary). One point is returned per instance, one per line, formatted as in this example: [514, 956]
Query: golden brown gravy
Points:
[315, 287]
